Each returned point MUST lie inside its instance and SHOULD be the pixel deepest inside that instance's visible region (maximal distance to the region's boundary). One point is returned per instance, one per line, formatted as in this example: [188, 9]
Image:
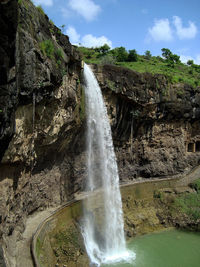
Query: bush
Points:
[59, 54]
[120, 54]
[147, 55]
[51, 21]
[159, 58]
[190, 62]
[108, 59]
[132, 56]
[104, 49]
[189, 204]
[190, 71]
[196, 185]
[158, 194]
[47, 48]
[58, 62]
[196, 67]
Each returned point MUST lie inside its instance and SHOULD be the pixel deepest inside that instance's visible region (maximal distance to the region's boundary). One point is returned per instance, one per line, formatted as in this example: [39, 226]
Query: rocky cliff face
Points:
[154, 122]
[8, 94]
[42, 120]
[41, 115]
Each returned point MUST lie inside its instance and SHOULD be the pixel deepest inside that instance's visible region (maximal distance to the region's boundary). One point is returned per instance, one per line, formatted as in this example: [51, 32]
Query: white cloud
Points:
[87, 40]
[86, 8]
[185, 58]
[73, 35]
[184, 33]
[183, 50]
[161, 31]
[197, 60]
[92, 41]
[43, 2]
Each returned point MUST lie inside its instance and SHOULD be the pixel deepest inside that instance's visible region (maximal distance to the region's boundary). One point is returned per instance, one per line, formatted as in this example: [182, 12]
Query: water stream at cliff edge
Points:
[103, 226]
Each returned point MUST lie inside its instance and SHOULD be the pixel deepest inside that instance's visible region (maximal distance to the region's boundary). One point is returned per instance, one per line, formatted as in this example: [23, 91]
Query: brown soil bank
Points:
[147, 206]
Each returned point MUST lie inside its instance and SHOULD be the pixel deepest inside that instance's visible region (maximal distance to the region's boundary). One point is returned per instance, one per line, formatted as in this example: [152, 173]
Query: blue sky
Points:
[135, 24]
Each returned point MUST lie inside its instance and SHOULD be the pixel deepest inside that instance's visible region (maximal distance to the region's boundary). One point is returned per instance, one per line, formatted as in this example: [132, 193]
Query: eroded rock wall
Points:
[42, 117]
[42, 120]
[152, 122]
[8, 94]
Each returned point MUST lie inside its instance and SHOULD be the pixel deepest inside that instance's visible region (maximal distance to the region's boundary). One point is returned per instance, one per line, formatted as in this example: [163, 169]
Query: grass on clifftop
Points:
[176, 71]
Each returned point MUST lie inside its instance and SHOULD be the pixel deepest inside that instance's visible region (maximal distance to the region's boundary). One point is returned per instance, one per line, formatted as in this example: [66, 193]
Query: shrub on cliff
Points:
[47, 48]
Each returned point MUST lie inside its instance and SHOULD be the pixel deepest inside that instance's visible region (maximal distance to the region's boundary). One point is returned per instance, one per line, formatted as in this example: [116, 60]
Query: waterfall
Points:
[103, 226]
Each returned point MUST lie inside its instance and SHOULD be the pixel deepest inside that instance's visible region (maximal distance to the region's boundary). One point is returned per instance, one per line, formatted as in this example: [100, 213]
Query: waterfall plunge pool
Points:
[170, 248]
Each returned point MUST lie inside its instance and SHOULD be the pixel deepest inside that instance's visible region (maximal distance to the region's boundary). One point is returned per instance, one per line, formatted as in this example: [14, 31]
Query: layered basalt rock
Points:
[41, 117]
[8, 94]
[42, 120]
[152, 122]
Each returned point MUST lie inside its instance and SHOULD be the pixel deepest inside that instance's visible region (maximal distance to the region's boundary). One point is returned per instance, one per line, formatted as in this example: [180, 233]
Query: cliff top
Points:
[169, 65]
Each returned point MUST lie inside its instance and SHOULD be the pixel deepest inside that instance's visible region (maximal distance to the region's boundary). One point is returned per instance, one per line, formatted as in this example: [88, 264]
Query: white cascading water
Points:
[103, 226]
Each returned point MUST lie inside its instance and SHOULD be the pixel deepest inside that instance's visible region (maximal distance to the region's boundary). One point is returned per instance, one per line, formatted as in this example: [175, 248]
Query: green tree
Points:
[120, 54]
[132, 56]
[170, 57]
[175, 58]
[166, 53]
[104, 49]
[190, 62]
[147, 55]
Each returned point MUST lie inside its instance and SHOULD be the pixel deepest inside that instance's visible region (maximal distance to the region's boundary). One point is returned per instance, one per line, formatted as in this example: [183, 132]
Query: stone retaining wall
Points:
[140, 216]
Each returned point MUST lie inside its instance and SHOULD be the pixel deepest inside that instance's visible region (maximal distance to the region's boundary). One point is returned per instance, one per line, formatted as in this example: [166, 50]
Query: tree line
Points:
[120, 54]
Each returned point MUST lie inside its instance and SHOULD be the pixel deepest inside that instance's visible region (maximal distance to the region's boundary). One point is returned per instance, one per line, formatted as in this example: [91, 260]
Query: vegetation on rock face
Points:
[80, 107]
[196, 185]
[189, 204]
[168, 65]
[40, 9]
[67, 245]
[185, 206]
[38, 247]
[48, 49]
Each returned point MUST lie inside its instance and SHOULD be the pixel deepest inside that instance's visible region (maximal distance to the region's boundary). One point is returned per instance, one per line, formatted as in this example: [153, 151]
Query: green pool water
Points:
[165, 249]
